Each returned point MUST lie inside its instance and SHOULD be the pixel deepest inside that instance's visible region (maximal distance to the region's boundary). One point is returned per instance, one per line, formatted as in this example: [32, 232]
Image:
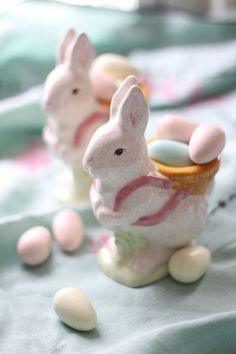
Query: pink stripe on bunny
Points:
[159, 182]
[151, 180]
[165, 211]
[94, 118]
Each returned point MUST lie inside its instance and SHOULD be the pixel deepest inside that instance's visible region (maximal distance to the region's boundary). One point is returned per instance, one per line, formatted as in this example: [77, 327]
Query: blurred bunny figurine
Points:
[154, 224]
[73, 112]
[77, 95]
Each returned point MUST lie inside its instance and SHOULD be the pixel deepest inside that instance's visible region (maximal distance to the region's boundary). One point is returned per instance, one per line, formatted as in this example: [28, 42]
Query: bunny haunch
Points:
[151, 220]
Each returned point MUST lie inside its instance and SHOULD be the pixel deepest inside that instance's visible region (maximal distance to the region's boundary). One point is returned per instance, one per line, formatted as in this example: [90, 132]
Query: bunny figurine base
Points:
[186, 265]
[73, 186]
[155, 211]
[117, 266]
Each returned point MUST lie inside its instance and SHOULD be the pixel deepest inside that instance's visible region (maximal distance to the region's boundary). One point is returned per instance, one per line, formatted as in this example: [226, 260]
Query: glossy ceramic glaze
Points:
[151, 218]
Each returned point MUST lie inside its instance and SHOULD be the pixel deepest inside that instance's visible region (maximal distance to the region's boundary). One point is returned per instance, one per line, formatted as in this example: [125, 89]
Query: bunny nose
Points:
[48, 104]
[88, 163]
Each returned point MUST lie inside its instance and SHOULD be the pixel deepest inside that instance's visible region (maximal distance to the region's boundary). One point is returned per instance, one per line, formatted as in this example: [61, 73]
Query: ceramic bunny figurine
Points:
[152, 222]
[76, 98]
[73, 112]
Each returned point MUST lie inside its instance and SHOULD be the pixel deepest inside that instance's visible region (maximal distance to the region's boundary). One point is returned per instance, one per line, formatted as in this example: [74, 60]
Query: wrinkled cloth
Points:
[162, 318]
[30, 30]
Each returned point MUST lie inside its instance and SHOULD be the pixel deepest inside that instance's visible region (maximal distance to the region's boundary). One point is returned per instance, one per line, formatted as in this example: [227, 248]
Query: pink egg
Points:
[103, 86]
[68, 230]
[34, 245]
[175, 127]
[206, 143]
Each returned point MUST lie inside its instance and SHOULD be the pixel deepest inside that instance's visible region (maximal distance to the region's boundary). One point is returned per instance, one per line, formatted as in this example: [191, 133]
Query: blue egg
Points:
[170, 153]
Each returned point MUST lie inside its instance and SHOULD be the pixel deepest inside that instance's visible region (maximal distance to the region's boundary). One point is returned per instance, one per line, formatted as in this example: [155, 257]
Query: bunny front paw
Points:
[112, 219]
[128, 273]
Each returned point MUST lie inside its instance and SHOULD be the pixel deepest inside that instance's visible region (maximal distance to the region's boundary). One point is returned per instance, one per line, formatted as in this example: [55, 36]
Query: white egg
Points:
[34, 245]
[189, 263]
[74, 309]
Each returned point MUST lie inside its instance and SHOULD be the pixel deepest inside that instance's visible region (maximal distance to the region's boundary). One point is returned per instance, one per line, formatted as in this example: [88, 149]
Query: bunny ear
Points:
[68, 37]
[120, 93]
[82, 52]
[133, 113]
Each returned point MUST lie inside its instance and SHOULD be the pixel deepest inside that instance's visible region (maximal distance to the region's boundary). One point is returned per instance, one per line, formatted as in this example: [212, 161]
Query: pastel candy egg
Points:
[114, 66]
[175, 127]
[74, 309]
[68, 230]
[103, 86]
[189, 264]
[34, 245]
[169, 152]
[107, 72]
[206, 143]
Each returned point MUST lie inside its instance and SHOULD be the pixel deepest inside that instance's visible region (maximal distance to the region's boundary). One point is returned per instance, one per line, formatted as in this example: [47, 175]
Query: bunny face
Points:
[112, 152]
[118, 148]
[67, 88]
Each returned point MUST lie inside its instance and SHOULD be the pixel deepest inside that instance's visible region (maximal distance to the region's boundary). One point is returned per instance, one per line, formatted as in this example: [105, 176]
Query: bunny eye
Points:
[75, 91]
[119, 152]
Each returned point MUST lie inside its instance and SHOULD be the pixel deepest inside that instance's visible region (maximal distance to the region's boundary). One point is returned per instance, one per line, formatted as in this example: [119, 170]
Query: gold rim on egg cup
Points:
[196, 177]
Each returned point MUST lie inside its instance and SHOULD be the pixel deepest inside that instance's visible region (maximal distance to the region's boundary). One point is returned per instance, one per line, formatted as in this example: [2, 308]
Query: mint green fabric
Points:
[163, 318]
[30, 32]
[172, 86]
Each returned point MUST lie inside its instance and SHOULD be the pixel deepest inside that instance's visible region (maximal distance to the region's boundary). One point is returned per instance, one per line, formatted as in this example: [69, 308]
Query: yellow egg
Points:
[189, 263]
[114, 66]
[74, 309]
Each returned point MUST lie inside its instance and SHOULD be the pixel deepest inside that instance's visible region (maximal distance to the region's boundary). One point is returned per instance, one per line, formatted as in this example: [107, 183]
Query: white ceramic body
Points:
[69, 101]
[138, 254]
[181, 227]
